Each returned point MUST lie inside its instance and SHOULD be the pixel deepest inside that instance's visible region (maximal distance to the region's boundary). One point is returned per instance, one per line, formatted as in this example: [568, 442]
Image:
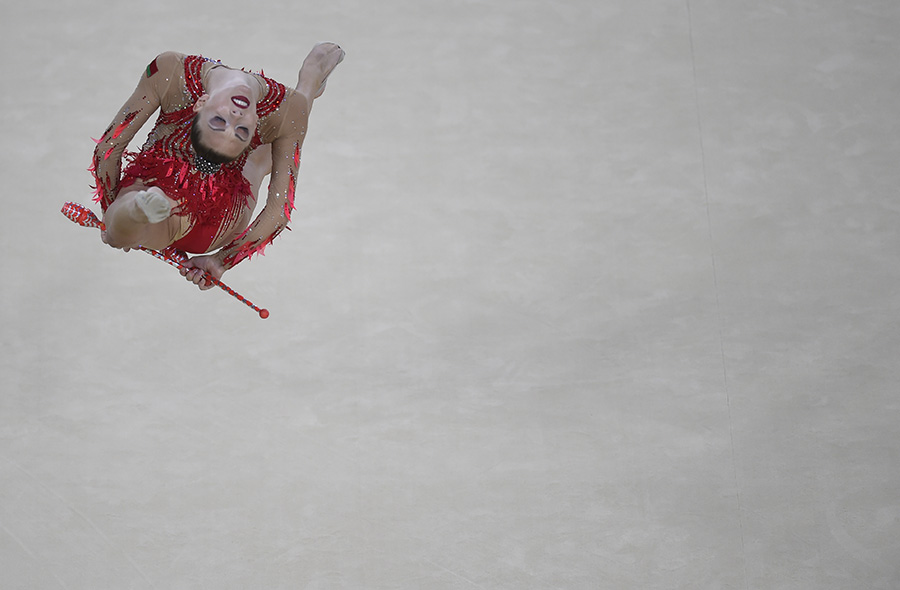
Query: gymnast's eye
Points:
[242, 133]
[217, 124]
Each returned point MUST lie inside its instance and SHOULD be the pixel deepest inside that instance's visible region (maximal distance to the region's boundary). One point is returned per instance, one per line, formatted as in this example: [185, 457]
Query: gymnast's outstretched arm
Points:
[137, 110]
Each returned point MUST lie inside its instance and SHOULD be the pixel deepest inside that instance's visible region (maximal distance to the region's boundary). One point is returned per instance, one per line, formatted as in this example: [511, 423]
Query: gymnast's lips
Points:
[241, 102]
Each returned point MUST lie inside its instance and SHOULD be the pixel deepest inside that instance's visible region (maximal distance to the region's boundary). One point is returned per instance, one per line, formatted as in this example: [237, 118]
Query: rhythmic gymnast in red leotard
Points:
[194, 184]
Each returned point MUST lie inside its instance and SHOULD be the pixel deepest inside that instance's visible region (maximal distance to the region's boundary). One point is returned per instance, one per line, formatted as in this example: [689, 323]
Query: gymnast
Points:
[193, 186]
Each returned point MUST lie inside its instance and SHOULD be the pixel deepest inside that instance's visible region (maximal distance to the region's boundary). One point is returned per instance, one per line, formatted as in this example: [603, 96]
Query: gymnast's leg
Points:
[316, 68]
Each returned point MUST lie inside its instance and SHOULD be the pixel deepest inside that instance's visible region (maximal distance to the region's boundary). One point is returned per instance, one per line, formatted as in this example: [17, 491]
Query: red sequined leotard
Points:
[213, 203]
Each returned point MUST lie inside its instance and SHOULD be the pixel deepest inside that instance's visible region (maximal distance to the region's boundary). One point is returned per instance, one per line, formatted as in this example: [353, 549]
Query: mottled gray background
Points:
[579, 295]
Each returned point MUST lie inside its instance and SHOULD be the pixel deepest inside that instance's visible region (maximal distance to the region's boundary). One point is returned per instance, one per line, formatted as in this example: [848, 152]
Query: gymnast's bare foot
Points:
[317, 66]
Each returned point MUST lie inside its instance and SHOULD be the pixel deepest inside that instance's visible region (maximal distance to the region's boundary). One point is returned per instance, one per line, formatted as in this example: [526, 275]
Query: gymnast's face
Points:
[227, 121]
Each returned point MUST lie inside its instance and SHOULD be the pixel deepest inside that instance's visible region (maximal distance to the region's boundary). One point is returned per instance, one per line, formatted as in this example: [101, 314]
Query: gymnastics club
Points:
[85, 217]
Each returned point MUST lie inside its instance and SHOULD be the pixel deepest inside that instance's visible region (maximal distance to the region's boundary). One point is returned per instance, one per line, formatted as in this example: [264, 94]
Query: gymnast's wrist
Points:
[219, 257]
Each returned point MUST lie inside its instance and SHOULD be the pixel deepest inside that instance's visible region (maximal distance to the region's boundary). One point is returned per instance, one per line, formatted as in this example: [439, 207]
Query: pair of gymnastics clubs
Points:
[86, 218]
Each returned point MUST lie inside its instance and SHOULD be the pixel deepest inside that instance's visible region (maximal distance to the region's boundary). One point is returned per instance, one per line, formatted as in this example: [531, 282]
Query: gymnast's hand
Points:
[198, 265]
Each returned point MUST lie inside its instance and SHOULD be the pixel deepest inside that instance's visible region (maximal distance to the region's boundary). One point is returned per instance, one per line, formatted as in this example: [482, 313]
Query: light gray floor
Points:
[579, 295]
